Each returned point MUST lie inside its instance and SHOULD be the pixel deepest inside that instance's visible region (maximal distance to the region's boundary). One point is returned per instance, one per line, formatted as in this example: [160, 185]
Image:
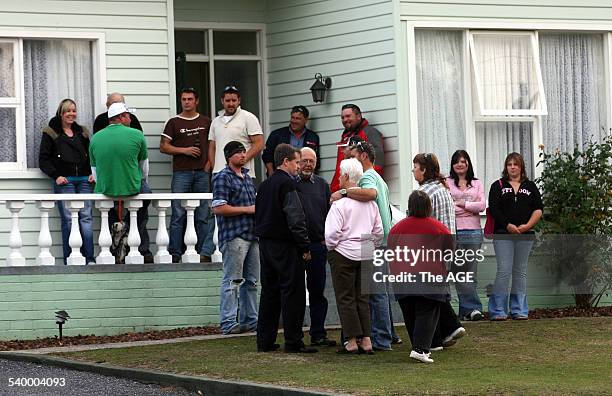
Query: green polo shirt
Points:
[115, 151]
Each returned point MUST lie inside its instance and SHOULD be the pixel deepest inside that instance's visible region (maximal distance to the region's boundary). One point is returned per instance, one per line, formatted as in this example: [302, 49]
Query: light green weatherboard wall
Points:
[107, 300]
[137, 64]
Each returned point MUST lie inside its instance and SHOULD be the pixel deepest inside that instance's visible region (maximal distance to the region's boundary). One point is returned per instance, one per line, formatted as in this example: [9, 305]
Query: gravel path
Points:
[47, 380]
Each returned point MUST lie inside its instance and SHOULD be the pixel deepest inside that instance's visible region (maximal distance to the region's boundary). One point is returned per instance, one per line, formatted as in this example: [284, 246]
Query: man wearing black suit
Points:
[284, 250]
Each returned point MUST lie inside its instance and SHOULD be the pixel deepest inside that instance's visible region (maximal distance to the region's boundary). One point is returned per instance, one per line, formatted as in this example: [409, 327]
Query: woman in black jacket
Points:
[516, 205]
[64, 157]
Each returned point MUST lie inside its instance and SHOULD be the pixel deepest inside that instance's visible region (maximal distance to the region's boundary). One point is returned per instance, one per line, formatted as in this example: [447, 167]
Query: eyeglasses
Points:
[230, 88]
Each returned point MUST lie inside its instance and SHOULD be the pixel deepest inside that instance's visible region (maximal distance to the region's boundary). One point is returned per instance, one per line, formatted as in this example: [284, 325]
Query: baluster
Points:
[15, 258]
[44, 237]
[75, 241]
[191, 238]
[105, 240]
[162, 256]
[134, 256]
[216, 257]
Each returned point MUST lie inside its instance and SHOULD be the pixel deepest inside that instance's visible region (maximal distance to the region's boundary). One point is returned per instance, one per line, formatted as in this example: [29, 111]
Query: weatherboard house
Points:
[488, 76]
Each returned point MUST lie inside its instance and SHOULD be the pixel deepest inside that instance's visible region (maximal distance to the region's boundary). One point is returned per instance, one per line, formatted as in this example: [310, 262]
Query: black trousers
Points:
[448, 323]
[282, 291]
[421, 316]
[316, 275]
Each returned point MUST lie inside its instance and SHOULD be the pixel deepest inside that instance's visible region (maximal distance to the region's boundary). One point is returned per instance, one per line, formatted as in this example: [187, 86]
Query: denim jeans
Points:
[142, 217]
[467, 291]
[380, 315]
[195, 181]
[316, 275]
[512, 256]
[85, 219]
[239, 284]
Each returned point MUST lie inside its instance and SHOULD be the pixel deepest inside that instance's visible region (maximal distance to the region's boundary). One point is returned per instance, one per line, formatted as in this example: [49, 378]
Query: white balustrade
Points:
[216, 257]
[134, 256]
[162, 256]
[105, 240]
[15, 258]
[44, 237]
[75, 241]
[45, 203]
[191, 238]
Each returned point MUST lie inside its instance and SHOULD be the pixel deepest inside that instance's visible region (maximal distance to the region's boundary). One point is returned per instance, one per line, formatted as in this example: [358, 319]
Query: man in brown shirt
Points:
[185, 137]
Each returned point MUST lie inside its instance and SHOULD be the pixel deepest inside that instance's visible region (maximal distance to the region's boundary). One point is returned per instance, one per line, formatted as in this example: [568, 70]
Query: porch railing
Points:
[74, 202]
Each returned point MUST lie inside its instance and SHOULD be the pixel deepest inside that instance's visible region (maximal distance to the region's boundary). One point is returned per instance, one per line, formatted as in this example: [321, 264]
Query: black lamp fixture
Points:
[60, 318]
[320, 86]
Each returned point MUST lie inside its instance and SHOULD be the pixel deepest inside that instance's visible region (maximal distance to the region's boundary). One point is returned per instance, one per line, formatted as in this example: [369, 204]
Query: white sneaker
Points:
[475, 315]
[421, 357]
[452, 338]
[436, 349]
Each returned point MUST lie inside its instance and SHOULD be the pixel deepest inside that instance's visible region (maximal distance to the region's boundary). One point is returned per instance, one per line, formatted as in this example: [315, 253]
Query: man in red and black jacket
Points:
[357, 128]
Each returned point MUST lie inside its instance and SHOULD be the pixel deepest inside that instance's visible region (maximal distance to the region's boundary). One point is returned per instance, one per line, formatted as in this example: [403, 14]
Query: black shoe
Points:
[324, 342]
[272, 348]
[176, 259]
[302, 349]
[148, 259]
[396, 341]
[205, 259]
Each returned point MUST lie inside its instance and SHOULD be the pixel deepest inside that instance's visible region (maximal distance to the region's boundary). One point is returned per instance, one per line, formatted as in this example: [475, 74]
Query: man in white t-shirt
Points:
[234, 124]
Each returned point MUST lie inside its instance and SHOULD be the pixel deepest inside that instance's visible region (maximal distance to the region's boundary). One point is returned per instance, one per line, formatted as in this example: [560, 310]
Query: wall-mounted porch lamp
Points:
[320, 86]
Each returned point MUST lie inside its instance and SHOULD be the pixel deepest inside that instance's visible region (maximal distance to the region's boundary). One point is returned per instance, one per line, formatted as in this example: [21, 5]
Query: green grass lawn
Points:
[546, 356]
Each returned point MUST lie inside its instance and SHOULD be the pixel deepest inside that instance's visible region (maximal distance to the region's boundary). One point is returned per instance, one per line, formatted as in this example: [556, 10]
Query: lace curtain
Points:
[440, 93]
[573, 75]
[54, 70]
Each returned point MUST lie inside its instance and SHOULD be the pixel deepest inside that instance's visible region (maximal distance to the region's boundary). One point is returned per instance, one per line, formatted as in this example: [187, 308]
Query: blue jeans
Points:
[380, 318]
[467, 291]
[512, 256]
[315, 282]
[195, 181]
[85, 219]
[239, 284]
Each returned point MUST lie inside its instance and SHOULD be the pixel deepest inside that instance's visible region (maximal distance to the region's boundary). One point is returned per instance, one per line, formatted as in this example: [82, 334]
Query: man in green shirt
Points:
[372, 187]
[118, 155]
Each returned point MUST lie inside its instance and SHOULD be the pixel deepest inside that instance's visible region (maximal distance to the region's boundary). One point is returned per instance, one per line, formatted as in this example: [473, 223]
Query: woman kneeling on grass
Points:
[352, 229]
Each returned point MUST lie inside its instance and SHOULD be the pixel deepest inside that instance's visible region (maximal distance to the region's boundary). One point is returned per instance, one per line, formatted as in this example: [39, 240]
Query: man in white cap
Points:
[118, 155]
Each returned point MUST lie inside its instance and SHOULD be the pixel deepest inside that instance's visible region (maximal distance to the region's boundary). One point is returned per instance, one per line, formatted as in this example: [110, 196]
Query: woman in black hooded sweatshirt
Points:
[64, 157]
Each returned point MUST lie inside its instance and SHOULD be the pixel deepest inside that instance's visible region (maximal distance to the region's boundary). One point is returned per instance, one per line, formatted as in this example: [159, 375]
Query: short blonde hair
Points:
[353, 168]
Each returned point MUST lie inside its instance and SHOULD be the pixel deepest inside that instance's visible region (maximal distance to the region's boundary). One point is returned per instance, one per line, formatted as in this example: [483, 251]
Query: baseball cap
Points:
[118, 108]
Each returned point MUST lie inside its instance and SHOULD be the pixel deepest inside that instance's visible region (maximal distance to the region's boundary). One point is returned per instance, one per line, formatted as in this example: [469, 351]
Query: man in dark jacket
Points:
[357, 128]
[295, 134]
[101, 121]
[284, 248]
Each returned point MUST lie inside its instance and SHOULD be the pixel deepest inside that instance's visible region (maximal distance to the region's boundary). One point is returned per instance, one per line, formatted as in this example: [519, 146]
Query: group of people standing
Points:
[295, 223]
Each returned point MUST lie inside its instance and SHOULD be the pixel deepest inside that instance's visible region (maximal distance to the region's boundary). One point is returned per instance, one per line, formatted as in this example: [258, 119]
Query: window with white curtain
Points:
[526, 89]
[45, 71]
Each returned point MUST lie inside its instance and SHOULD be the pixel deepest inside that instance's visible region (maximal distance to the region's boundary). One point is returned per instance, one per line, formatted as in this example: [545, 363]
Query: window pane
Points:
[506, 74]
[494, 141]
[243, 75]
[440, 93]
[197, 76]
[190, 41]
[235, 43]
[8, 148]
[54, 70]
[7, 70]
[573, 75]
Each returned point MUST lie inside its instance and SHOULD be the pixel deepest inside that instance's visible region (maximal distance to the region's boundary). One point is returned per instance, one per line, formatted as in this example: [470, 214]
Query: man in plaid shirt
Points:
[234, 204]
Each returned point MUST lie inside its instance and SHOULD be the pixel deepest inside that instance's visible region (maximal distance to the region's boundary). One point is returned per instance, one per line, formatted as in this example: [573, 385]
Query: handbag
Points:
[489, 228]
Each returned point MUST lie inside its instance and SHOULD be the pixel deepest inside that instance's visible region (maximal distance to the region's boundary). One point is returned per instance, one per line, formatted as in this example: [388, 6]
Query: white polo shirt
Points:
[239, 127]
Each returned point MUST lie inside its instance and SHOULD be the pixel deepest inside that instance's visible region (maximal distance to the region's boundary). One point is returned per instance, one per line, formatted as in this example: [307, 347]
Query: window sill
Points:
[21, 174]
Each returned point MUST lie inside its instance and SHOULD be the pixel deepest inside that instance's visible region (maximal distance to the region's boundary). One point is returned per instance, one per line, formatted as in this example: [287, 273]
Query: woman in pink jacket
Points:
[468, 194]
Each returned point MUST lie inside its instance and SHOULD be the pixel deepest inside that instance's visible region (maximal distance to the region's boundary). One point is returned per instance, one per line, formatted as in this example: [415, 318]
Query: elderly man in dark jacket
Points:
[284, 248]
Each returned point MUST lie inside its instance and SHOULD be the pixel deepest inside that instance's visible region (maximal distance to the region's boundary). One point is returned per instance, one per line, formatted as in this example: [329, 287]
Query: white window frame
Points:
[19, 169]
[541, 97]
[470, 117]
[210, 57]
